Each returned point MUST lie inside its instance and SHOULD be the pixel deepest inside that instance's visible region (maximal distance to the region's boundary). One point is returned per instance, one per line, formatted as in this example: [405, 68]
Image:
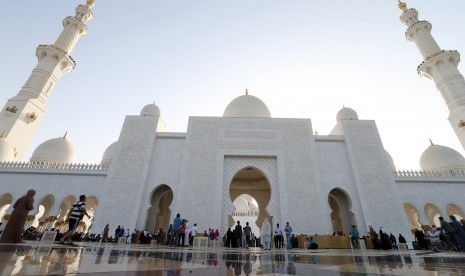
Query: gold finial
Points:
[3, 134]
[90, 3]
[246, 91]
[64, 136]
[431, 142]
[402, 5]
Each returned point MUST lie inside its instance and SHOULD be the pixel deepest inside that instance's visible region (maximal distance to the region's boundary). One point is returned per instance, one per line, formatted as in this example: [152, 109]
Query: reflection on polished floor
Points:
[109, 259]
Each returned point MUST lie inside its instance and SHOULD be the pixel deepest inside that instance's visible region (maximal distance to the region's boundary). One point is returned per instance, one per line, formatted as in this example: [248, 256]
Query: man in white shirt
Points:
[194, 231]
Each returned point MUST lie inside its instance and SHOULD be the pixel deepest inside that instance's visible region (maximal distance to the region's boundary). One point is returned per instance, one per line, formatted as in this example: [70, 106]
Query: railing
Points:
[54, 166]
[431, 174]
[433, 56]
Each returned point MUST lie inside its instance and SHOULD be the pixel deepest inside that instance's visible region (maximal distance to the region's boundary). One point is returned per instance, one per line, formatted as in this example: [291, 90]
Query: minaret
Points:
[439, 66]
[22, 114]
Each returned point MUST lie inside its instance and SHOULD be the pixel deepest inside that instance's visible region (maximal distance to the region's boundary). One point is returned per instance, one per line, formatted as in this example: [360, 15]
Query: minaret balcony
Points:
[445, 56]
[44, 50]
[416, 28]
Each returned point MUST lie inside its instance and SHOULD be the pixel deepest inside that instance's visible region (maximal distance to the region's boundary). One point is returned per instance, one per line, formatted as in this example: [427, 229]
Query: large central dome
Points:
[247, 106]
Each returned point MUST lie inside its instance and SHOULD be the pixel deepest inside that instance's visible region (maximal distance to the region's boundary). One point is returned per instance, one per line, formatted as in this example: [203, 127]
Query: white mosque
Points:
[244, 164]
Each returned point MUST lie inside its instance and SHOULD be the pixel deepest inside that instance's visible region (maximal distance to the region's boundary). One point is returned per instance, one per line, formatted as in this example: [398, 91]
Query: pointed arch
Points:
[433, 213]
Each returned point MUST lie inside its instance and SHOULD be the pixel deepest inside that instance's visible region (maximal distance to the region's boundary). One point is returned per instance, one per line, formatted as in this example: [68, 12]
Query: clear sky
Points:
[304, 59]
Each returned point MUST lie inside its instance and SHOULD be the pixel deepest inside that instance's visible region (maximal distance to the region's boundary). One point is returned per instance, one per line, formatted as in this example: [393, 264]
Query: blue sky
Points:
[304, 59]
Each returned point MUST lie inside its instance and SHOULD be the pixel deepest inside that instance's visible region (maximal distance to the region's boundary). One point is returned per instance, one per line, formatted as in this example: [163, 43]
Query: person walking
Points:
[247, 233]
[77, 213]
[355, 237]
[288, 232]
[14, 229]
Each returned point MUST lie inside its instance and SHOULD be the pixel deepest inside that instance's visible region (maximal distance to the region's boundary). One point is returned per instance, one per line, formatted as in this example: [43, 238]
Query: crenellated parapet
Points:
[429, 174]
[28, 167]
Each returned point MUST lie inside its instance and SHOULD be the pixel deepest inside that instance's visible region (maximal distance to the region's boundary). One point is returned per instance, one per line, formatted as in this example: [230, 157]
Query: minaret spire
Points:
[22, 114]
[440, 66]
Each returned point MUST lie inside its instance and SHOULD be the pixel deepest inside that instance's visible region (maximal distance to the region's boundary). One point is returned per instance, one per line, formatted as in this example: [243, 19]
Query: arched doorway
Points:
[158, 215]
[42, 212]
[250, 187]
[454, 210]
[433, 213]
[5, 202]
[413, 216]
[65, 206]
[342, 217]
[91, 207]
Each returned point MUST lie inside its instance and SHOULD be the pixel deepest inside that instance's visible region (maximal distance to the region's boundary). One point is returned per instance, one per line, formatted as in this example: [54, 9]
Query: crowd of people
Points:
[180, 233]
[452, 234]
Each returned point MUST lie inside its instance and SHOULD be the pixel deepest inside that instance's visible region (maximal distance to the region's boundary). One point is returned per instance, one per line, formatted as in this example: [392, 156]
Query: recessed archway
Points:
[158, 215]
[454, 210]
[5, 201]
[433, 213]
[246, 211]
[65, 206]
[43, 209]
[413, 216]
[91, 207]
[342, 217]
[250, 187]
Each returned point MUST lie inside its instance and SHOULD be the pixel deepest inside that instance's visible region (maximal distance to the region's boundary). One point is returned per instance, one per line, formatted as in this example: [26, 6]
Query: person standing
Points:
[193, 233]
[459, 232]
[278, 237]
[355, 237]
[105, 233]
[265, 234]
[238, 233]
[247, 233]
[182, 233]
[393, 241]
[14, 229]
[77, 214]
[288, 232]
[177, 222]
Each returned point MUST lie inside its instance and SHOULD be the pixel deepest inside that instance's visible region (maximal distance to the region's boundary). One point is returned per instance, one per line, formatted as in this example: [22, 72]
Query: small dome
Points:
[346, 113]
[247, 106]
[109, 154]
[150, 110]
[437, 157]
[7, 152]
[391, 163]
[57, 150]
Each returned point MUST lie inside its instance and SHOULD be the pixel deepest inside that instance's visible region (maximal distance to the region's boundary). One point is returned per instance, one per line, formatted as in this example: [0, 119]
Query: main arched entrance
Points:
[342, 217]
[158, 215]
[254, 176]
[250, 193]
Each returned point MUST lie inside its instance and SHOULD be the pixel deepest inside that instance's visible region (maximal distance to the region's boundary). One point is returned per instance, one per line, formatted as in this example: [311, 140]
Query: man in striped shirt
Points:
[76, 215]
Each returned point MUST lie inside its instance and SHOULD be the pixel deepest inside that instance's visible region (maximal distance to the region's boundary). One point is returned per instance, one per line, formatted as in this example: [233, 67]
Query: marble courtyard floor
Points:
[31, 258]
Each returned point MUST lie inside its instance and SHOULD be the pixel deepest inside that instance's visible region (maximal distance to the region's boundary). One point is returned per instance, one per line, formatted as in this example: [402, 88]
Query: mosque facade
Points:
[243, 164]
